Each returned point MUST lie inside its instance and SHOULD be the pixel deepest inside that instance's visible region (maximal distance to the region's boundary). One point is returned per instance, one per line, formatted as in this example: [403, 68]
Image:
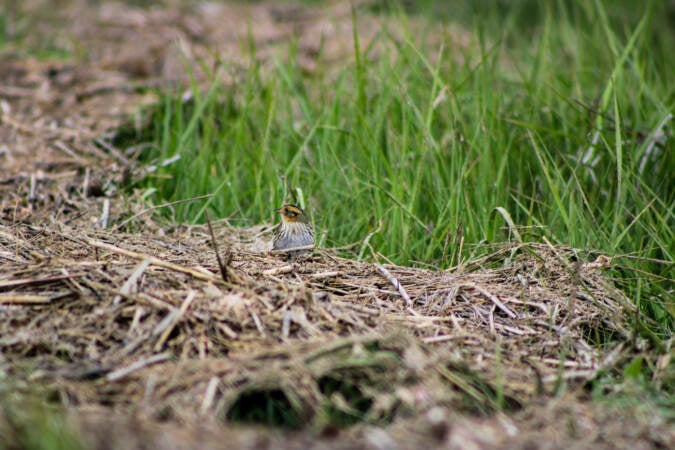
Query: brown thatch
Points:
[117, 318]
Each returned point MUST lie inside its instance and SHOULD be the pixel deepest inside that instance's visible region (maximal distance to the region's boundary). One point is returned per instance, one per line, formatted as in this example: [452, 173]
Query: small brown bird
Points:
[294, 231]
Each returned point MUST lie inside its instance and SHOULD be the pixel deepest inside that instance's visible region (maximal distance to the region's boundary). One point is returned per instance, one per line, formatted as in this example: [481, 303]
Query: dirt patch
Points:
[138, 332]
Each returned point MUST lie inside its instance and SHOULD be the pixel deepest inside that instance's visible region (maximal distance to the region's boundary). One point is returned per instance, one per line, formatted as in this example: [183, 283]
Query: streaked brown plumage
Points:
[294, 230]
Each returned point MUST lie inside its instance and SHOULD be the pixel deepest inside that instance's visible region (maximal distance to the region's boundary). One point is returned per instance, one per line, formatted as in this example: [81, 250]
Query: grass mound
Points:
[119, 320]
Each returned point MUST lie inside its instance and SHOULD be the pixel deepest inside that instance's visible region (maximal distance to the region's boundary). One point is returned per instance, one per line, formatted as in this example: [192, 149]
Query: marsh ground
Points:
[114, 338]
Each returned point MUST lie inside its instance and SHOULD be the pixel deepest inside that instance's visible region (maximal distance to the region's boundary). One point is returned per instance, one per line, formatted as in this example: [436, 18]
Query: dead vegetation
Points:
[143, 322]
[139, 332]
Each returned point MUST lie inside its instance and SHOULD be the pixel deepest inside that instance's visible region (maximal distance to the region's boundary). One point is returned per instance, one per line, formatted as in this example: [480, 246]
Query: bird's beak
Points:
[277, 210]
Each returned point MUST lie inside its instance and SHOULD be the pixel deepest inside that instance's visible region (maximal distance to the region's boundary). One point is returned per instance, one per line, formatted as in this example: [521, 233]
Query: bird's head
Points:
[292, 213]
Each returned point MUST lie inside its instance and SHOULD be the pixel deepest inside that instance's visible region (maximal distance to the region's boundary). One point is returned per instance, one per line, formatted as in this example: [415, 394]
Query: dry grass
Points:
[119, 319]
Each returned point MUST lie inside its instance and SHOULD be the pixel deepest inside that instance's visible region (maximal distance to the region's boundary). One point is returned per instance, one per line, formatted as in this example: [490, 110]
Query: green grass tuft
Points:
[554, 122]
[29, 423]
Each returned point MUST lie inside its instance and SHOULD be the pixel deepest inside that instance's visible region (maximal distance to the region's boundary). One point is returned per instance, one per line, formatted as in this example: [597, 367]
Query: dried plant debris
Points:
[116, 319]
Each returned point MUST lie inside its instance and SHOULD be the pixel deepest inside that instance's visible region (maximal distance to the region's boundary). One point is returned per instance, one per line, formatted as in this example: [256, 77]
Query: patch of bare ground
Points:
[146, 345]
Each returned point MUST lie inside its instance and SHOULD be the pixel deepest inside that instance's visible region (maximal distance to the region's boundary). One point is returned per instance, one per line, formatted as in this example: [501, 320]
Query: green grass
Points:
[22, 36]
[31, 424]
[549, 119]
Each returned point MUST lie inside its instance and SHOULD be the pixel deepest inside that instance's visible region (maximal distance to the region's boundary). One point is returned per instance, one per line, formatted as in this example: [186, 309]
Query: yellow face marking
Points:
[291, 213]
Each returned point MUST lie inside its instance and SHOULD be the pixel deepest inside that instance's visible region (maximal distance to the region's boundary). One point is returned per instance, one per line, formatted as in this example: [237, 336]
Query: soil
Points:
[130, 326]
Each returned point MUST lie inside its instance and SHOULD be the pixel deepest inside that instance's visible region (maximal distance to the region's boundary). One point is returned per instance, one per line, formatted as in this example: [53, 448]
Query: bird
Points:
[294, 231]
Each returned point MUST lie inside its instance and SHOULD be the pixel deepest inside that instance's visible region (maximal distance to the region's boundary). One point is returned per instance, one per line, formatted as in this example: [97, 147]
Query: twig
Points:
[209, 395]
[294, 249]
[221, 266]
[513, 330]
[113, 151]
[83, 161]
[136, 320]
[32, 196]
[24, 299]
[154, 261]
[258, 323]
[28, 281]
[493, 299]
[278, 270]
[85, 182]
[150, 385]
[286, 324]
[138, 365]
[399, 287]
[171, 320]
[455, 323]
[322, 275]
[229, 332]
[366, 241]
[103, 221]
[132, 280]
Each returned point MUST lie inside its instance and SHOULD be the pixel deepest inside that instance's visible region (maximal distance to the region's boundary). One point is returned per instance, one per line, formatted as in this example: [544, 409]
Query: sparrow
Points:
[294, 231]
